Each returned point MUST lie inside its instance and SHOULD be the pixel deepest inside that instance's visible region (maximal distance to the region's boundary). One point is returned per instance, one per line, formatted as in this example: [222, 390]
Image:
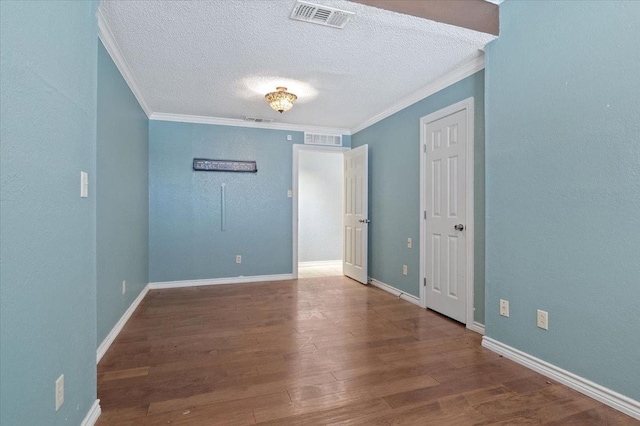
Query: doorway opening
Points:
[318, 196]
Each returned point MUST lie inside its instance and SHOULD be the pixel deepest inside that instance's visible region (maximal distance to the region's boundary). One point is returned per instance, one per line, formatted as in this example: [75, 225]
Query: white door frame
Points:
[468, 106]
[294, 196]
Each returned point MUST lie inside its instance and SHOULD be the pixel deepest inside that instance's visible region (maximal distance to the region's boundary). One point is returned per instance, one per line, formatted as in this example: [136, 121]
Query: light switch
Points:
[84, 184]
[409, 243]
[289, 137]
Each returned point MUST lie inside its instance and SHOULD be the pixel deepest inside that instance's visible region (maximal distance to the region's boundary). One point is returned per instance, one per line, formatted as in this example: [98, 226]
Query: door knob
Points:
[364, 221]
[459, 227]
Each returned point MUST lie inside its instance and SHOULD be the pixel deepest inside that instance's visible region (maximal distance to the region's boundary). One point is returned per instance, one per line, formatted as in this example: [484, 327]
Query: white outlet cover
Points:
[542, 319]
[124, 287]
[404, 269]
[238, 259]
[504, 308]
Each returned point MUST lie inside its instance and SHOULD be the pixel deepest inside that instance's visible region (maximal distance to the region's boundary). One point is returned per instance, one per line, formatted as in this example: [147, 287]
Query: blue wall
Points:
[47, 243]
[122, 194]
[563, 186]
[394, 188]
[185, 237]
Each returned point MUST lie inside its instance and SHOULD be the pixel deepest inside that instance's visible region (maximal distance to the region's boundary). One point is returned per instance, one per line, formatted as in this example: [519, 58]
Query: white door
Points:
[356, 208]
[446, 263]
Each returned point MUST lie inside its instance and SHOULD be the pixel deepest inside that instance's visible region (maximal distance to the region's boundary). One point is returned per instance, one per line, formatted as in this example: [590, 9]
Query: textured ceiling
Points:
[219, 58]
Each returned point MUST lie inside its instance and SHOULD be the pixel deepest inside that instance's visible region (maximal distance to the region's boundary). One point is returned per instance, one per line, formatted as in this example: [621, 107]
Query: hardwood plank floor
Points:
[315, 352]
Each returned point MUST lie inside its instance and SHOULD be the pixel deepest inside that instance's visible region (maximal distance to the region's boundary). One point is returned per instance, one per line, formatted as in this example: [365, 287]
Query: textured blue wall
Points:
[47, 243]
[185, 237]
[394, 188]
[122, 194]
[563, 186]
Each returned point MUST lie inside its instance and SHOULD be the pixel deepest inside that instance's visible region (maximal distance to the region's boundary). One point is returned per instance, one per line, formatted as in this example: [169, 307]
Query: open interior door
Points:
[356, 210]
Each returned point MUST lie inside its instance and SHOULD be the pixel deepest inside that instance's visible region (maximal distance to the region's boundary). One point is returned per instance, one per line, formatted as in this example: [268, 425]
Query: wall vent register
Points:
[318, 139]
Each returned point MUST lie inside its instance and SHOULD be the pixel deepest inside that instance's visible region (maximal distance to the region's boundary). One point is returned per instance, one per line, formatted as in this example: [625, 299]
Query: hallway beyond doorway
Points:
[328, 268]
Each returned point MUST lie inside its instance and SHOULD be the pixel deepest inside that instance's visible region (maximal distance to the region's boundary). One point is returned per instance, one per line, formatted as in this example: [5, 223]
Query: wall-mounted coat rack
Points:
[206, 165]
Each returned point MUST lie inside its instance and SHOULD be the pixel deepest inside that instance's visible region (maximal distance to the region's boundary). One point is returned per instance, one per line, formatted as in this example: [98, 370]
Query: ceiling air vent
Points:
[316, 14]
[318, 139]
[258, 119]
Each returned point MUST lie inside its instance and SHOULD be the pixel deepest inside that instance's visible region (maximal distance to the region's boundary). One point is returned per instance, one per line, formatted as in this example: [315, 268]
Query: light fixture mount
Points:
[281, 100]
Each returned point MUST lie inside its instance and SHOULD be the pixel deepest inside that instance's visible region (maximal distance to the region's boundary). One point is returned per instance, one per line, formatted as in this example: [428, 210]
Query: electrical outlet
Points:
[289, 193]
[404, 270]
[238, 258]
[504, 308]
[124, 286]
[543, 319]
[59, 391]
[409, 243]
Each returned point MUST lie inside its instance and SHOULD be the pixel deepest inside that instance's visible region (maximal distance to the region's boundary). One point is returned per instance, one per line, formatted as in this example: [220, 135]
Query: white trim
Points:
[468, 106]
[106, 343]
[235, 122]
[477, 327]
[398, 293]
[600, 393]
[321, 263]
[109, 42]
[294, 196]
[92, 416]
[446, 81]
[219, 281]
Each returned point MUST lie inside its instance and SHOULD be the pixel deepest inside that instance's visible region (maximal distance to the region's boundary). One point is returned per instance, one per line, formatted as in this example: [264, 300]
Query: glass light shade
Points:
[281, 100]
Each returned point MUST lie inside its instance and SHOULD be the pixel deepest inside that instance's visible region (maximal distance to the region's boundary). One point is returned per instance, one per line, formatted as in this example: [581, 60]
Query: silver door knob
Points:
[459, 227]
[364, 221]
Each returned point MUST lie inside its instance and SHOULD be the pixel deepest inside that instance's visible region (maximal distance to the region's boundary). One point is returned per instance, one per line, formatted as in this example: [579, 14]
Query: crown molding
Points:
[199, 119]
[106, 36]
[446, 81]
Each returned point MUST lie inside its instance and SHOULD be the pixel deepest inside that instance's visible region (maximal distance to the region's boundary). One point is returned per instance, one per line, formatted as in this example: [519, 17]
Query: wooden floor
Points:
[314, 352]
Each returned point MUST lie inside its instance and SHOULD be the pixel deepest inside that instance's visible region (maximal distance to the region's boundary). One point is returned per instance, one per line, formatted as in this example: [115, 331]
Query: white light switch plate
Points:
[59, 391]
[84, 184]
[409, 243]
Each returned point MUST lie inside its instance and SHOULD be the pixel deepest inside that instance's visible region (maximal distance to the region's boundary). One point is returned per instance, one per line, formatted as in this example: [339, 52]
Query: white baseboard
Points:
[92, 416]
[391, 289]
[600, 393]
[106, 343]
[477, 327]
[220, 281]
[321, 263]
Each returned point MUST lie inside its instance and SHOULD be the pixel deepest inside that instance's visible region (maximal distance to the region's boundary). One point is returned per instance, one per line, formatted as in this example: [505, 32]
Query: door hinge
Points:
[424, 281]
[424, 148]
[425, 214]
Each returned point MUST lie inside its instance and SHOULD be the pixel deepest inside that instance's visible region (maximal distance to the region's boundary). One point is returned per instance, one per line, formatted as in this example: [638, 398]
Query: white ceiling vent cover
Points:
[316, 14]
[318, 139]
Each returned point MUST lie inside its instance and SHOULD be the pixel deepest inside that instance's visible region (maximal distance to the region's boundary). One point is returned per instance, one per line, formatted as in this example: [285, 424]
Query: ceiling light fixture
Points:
[281, 100]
